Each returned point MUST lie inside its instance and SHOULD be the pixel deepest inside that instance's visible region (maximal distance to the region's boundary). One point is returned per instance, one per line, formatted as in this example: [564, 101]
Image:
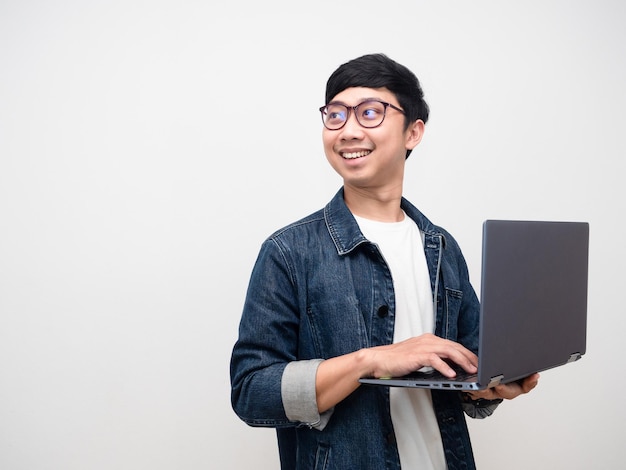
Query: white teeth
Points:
[353, 155]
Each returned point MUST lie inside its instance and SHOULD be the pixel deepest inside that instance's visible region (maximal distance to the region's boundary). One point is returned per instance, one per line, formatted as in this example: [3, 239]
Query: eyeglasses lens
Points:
[368, 113]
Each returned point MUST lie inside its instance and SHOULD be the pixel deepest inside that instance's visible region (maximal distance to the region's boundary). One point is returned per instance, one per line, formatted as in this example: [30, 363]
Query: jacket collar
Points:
[344, 229]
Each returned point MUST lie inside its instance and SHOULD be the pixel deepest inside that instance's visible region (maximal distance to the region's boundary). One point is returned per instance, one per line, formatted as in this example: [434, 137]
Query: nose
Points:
[351, 129]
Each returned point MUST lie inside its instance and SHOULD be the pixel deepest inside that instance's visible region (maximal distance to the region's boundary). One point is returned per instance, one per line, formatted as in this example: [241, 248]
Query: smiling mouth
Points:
[353, 155]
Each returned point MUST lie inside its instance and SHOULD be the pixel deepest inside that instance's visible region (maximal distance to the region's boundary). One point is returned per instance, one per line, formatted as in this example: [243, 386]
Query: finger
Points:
[530, 383]
[508, 391]
[437, 363]
[454, 361]
[466, 359]
[455, 353]
[487, 394]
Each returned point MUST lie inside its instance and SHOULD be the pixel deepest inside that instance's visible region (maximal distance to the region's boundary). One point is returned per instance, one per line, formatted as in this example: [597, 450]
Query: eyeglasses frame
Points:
[354, 108]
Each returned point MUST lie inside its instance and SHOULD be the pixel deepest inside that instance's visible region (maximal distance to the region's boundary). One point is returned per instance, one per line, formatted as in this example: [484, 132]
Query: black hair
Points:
[379, 71]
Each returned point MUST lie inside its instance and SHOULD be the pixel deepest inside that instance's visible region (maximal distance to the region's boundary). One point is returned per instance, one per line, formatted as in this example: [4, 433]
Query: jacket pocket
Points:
[328, 321]
[452, 307]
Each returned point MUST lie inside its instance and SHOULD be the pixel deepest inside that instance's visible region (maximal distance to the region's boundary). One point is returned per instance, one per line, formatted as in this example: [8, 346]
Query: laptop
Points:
[533, 313]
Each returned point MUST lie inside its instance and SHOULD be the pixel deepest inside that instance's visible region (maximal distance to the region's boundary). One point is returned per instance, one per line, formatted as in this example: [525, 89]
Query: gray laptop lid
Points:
[533, 304]
[533, 297]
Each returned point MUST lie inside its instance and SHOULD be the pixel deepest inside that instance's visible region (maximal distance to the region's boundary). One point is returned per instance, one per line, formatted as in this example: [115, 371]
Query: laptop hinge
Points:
[574, 357]
[495, 380]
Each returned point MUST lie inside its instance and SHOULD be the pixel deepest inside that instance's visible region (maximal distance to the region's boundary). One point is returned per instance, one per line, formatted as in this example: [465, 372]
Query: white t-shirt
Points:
[414, 421]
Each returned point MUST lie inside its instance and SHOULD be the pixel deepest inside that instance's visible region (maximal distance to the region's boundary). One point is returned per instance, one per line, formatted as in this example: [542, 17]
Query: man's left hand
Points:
[507, 391]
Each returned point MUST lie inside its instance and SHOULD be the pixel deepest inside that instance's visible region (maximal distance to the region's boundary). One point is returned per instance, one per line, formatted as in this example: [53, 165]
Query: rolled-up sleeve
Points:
[299, 396]
[479, 409]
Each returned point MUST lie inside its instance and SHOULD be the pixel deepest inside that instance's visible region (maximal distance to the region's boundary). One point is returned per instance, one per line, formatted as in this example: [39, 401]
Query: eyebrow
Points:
[373, 98]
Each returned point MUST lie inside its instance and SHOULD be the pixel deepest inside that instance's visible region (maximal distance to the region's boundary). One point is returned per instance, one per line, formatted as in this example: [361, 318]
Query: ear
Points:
[414, 134]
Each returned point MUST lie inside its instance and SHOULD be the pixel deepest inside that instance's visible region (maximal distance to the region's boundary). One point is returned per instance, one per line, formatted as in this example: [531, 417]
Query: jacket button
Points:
[390, 438]
[383, 311]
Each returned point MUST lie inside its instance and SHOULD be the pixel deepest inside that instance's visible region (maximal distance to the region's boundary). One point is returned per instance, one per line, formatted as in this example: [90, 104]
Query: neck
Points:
[381, 205]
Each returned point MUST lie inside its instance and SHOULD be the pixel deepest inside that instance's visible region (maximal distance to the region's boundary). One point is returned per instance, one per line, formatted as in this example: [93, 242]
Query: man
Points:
[367, 286]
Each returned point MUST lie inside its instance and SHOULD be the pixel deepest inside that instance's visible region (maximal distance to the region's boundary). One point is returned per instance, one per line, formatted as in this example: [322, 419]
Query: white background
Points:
[148, 147]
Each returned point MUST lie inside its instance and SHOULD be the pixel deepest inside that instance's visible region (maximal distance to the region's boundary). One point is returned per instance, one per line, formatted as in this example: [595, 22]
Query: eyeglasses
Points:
[369, 114]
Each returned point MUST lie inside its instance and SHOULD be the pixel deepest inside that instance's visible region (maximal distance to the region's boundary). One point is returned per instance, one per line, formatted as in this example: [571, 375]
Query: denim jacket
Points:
[320, 289]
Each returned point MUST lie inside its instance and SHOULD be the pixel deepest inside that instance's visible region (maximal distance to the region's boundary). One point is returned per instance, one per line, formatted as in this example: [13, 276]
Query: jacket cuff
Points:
[480, 408]
[297, 390]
